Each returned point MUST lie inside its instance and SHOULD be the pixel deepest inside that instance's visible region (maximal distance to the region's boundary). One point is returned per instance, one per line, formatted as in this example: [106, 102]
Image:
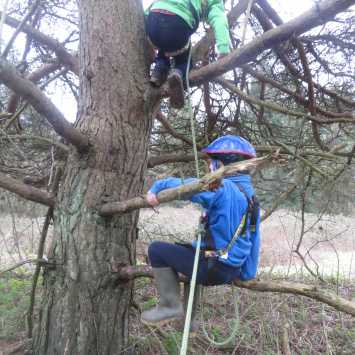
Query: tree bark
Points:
[84, 310]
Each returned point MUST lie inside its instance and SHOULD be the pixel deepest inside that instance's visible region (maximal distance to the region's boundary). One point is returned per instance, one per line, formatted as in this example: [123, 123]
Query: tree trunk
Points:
[83, 311]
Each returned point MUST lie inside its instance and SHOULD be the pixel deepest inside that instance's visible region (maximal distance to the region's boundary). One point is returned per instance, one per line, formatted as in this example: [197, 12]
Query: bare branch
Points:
[21, 263]
[311, 291]
[26, 191]
[29, 91]
[275, 107]
[319, 14]
[69, 60]
[19, 28]
[167, 125]
[35, 76]
[44, 140]
[177, 193]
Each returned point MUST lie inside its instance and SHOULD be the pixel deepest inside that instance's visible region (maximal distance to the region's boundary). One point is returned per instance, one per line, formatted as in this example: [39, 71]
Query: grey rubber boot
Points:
[170, 306]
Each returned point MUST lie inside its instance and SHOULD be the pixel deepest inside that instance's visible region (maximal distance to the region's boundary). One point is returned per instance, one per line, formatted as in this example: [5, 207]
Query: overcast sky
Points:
[287, 9]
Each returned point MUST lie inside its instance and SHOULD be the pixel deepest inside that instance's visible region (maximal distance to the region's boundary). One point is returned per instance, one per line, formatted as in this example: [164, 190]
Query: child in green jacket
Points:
[169, 25]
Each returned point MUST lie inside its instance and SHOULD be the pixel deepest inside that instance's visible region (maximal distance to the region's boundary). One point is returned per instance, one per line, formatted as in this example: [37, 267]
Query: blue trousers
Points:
[169, 33]
[181, 258]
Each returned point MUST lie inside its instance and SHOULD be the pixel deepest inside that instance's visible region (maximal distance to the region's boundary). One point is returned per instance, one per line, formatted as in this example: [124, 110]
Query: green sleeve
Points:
[218, 20]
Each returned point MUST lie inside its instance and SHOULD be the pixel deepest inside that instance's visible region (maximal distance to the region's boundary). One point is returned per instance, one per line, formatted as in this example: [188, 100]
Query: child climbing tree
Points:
[84, 306]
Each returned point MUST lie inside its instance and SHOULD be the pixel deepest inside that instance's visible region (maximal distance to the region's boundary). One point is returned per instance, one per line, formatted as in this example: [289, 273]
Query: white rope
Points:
[235, 328]
[185, 337]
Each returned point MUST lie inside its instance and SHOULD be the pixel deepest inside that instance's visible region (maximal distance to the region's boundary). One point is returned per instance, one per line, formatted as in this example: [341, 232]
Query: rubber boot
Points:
[159, 73]
[170, 306]
[176, 88]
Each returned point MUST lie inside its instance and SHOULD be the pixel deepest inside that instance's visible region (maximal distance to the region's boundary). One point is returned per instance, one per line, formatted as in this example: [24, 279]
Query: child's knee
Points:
[155, 251]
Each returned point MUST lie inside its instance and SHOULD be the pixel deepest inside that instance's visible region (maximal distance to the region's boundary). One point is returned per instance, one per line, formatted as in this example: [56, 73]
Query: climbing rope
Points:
[185, 337]
[235, 328]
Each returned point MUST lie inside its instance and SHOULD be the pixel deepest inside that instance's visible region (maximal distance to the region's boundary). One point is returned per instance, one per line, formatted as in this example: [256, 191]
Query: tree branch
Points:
[177, 193]
[24, 262]
[293, 70]
[167, 125]
[26, 191]
[30, 92]
[70, 61]
[35, 76]
[319, 14]
[32, 9]
[275, 107]
[311, 291]
[299, 98]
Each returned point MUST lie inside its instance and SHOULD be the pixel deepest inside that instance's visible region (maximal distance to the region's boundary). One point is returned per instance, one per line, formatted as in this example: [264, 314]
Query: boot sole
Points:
[176, 91]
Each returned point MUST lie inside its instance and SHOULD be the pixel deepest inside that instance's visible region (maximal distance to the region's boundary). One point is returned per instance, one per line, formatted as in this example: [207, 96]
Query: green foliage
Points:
[151, 302]
[172, 342]
[14, 303]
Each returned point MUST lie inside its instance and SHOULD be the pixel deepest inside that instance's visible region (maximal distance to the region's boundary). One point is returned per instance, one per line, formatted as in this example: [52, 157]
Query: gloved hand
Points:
[152, 199]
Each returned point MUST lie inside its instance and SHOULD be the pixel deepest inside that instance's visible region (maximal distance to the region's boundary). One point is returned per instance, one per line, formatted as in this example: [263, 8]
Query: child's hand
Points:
[152, 199]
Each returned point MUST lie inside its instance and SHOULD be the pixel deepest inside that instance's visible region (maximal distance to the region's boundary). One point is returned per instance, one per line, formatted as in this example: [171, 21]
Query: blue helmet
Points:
[229, 149]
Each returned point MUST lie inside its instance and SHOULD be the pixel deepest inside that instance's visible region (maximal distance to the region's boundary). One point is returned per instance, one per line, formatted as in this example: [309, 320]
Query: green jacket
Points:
[213, 14]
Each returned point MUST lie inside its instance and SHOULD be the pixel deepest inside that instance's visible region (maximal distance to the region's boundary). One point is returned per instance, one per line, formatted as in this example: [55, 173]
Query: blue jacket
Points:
[225, 208]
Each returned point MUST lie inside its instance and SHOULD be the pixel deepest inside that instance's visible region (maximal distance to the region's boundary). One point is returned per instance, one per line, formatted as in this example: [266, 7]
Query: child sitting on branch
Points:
[231, 239]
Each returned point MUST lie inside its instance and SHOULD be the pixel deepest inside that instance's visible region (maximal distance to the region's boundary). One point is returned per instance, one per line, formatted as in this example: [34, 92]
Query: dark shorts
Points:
[181, 259]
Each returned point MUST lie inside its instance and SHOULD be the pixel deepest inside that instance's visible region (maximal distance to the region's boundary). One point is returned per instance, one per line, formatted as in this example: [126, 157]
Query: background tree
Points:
[290, 87]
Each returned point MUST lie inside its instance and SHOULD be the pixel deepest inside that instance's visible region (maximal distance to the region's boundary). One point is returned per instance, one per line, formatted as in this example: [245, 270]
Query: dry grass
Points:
[312, 328]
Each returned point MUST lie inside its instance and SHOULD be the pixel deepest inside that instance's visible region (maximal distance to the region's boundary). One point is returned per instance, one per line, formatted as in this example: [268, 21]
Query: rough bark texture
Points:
[84, 311]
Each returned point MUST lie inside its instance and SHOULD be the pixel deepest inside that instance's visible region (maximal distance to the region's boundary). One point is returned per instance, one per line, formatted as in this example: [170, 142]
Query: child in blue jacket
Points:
[227, 254]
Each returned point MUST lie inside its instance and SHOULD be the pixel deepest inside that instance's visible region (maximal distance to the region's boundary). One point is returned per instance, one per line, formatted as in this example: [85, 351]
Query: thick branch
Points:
[339, 303]
[315, 292]
[63, 55]
[182, 191]
[272, 14]
[26, 191]
[35, 76]
[317, 15]
[32, 9]
[31, 93]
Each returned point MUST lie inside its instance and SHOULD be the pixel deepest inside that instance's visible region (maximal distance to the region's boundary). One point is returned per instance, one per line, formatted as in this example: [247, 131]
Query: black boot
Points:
[176, 88]
[159, 73]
